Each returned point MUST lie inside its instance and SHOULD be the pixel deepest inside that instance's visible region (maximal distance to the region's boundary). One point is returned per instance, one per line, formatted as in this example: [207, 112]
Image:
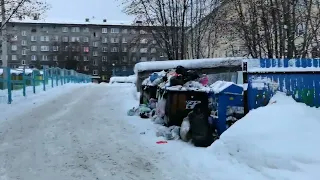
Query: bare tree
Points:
[279, 28]
[173, 19]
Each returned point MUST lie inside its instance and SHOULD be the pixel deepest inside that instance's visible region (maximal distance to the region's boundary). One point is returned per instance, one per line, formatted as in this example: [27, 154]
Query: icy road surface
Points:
[80, 135]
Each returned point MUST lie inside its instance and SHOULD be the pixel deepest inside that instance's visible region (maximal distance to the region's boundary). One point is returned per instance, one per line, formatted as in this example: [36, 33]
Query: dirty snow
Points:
[84, 133]
[124, 79]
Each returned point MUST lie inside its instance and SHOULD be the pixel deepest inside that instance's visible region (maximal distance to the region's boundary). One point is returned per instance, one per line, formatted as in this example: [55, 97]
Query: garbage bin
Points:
[226, 97]
[147, 93]
[180, 103]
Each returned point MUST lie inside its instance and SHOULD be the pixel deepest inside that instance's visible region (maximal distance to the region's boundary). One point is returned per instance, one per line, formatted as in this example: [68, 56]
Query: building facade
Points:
[99, 49]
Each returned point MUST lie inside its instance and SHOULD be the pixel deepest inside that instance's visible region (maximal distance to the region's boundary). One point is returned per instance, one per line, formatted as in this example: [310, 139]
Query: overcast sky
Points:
[81, 9]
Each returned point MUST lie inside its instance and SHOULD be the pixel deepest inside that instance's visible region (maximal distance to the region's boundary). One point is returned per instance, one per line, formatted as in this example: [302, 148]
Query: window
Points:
[55, 38]
[23, 33]
[86, 68]
[95, 72]
[23, 42]
[124, 68]
[114, 49]
[103, 68]
[76, 58]
[14, 47]
[23, 52]
[143, 59]
[114, 30]
[95, 63]
[104, 30]
[143, 41]
[33, 58]
[143, 50]
[14, 57]
[65, 48]
[44, 38]
[44, 58]
[133, 31]
[114, 40]
[44, 48]
[124, 58]
[95, 53]
[65, 29]
[14, 38]
[23, 62]
[85, 58]
[124, 31]
[33, 38]
[85, 49]
[75, 29]
[134, 59]
[105, 40]
[153, 50]
[55, 58]
[134, 49]
[95, 44]
[75, 48]
[33, 48]
[124, 40]
[65, 39]
[85, 29]
[104, 58]
[75, 39]
[85, 39]
[105, 49]
[55, 48]
[124, 49]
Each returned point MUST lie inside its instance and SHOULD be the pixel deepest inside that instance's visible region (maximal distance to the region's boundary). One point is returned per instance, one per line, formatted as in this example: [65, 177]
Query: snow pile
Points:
[20, 71]
[189, 64]
[219, 86]
[123, 79]
[279, 140]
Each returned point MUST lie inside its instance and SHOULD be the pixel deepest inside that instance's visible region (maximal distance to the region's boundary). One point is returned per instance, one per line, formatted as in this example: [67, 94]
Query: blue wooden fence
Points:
[27, 77]
[299, 78]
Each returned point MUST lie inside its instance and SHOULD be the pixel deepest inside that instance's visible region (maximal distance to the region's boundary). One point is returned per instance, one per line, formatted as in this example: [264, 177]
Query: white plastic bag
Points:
[160, 109]
[184, 130]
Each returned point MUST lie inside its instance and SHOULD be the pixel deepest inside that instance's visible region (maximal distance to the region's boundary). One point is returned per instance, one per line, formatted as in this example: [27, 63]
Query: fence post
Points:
[34, 81]
[44, 78]
[51, 76]
[61, 76]
[24, 82]
[57, 80]
[9, 85]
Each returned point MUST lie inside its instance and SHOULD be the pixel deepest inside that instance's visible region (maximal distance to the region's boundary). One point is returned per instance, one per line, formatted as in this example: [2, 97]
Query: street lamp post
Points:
[113, 73]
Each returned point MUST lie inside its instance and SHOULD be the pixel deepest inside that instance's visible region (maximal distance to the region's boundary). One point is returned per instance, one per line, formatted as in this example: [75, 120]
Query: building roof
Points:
[98, 22]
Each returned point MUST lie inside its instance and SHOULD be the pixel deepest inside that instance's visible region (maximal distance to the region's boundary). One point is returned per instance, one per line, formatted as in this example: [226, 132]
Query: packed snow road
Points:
[79, 135]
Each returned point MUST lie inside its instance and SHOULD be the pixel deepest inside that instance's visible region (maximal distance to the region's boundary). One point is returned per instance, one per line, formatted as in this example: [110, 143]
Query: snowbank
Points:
[20, 71]
[124, 79]
[188, 63]
[279, 140]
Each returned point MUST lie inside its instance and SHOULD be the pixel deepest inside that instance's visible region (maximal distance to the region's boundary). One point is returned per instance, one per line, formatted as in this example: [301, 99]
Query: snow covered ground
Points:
[82, 132]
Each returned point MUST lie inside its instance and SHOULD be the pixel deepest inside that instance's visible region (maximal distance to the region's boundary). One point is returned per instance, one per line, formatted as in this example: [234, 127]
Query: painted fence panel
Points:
[299, 78]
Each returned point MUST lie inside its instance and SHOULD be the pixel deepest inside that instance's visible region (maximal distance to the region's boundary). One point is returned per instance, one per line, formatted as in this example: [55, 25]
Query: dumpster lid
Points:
[226, 87]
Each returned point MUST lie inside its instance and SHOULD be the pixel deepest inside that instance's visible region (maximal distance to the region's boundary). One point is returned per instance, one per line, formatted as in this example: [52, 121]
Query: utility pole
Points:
[4, 42]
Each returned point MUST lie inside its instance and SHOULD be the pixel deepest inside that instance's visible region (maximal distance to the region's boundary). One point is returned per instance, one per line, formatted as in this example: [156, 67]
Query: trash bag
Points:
[204, 80]
[200, 128]
[190, 76]
[175, 131]
[184, 130]
[171, 133]
[181, 70]
[131, 112]
[160, 108]
[153, 77]
[159, 120]
[177, 80]
[152, 103]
